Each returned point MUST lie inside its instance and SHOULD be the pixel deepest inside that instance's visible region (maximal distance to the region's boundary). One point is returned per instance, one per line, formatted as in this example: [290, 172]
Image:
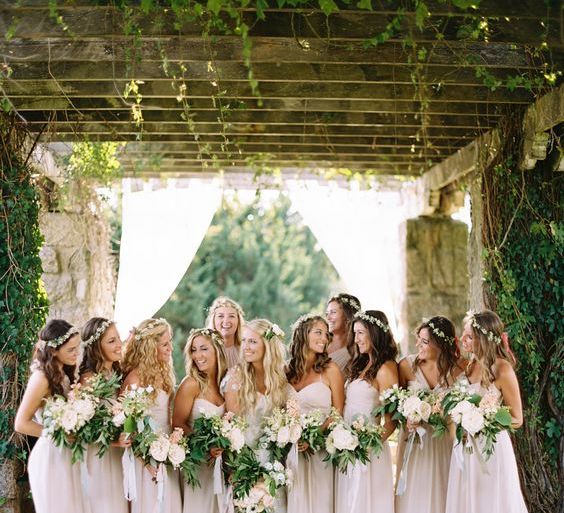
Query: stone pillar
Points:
[436, 272]
[475, 245]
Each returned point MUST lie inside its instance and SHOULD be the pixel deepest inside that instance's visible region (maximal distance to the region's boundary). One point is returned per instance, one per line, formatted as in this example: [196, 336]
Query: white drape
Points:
[161, 232]
[359, 230]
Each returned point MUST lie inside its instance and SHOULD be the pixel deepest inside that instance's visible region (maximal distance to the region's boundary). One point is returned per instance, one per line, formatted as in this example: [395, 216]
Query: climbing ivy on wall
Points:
[23, 302]
[524, 243]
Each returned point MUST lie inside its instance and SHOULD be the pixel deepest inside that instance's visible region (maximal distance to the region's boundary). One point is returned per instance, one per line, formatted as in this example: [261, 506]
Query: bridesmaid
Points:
[259, 384]
[199, 391]
[319, 386]
[492, 485]
[227, 317]
[101, 346]
[147, 360]
[340, 314]
[55, 482]
[435, 367]
[373, 369]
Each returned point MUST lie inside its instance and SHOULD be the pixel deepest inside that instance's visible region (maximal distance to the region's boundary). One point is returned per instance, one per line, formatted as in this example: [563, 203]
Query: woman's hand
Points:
[216, 452]
[411, 425]
[123, 441]
[303, 446]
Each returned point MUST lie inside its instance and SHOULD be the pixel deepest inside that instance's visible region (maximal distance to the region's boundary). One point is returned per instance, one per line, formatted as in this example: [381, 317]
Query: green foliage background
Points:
[264, 258]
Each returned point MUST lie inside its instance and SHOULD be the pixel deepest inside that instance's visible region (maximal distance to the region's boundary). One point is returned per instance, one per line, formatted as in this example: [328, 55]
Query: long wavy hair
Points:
[92, 358]
[485, 350]
[45, 358]
[382, 348]
[216, 342]
[299, 349]
[227, 302]
[448, 350]
[142, 354]
[274, 376]
[350, 305]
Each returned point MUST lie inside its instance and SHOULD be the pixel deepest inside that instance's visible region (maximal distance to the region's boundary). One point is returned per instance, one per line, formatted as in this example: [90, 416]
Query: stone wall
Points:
[436, 271]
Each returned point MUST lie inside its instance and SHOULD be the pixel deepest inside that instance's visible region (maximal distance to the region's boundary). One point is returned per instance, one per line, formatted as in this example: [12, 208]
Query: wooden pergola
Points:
[329, 98]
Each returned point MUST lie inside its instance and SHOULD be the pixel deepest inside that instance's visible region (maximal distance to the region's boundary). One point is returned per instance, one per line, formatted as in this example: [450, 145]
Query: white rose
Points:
[410, 407]
[268, 500]
[461, 408]
[425, 411]
[119, 419]
[343, 439]
[283, 436]
[329, 446]
[85, 408]
[236, 439]
[159, 449]
[473, 421]
[176, 454]
[69, 420]
[295, 433]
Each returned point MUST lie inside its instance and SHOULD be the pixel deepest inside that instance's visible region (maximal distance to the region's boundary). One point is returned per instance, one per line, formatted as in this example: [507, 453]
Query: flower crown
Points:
[349, 301]
[97, 334]
[207, 332]
[372, 320]
[490, 335]
[225, 302]
[305, 318]
[438, 332]
[273, 331]
[139, 334]
[59, 341]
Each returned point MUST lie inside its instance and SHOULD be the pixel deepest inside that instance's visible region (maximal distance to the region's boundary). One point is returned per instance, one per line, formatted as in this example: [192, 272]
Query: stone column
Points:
[436, 272]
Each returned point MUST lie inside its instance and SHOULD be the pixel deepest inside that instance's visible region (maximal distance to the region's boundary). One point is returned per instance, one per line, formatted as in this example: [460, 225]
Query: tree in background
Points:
[261, 256]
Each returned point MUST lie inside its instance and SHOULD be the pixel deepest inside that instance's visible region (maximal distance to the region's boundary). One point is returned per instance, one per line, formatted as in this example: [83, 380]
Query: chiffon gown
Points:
[55, 482]
[365, 488]
[312, 490]
[147, 489]
[427, 469]
[202, 498]
[491, 489]
[341, 357]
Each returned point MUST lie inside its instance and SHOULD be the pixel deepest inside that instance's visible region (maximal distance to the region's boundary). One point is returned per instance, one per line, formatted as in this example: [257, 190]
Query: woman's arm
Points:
[36, 391]
[183, 403]
[131, 379]
[405, 372]
[507, 382]
[387, 377]
[231, 394]
[337, 386]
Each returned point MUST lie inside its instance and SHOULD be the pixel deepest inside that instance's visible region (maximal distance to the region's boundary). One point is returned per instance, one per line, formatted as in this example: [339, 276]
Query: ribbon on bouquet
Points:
[402, 481]
[160, 485]
[355, 471]
[292, 461]
[469, 446]
[226, 505]
[129, 482]
[84, 477]
[218, 483]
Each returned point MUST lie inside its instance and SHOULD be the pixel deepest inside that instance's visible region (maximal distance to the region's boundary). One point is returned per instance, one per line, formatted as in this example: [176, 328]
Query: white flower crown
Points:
[207, 332]
[305, 318]
[372, 320]
[490, 335]
[274, 331]
[227, 303]
[139, 334]
[59, 341]
[349, 301]
[97, 334]
[438, 332]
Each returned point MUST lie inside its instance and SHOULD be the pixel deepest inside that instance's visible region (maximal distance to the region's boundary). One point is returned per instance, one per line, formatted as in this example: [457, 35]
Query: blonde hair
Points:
[141, 354]
[224, 301]
[487, 327]
[274, 376]
[216, 341]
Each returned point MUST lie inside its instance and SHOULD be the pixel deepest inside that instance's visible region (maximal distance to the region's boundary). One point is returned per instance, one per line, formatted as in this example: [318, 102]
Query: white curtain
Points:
[359, 230]
[161, 232]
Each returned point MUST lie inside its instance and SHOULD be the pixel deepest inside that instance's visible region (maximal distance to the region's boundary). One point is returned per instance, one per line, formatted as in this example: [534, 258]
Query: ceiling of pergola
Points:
[326, 101]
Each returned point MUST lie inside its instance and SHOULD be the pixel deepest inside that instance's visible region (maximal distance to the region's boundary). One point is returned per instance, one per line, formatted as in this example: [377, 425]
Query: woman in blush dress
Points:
[55, 482]
[227, 317]
[475, 485]
[423, 478]
[373, 369]
[198, 393]
[147, 361]
[340, 314]
[319, 385]
[102, 347]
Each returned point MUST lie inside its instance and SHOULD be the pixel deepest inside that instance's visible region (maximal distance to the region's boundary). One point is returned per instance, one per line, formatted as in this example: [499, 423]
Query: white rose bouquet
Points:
[280, 430]
[348, 443]
[257, 500]
[130, 413]
[312, 431]
[476, 416]
[64, 417]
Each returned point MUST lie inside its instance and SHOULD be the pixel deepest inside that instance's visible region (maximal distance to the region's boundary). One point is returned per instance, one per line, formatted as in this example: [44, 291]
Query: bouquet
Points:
[281, 430]
[257, 500]
[131, 411]
[476, 416]
[63, 418]
[312, 431]
[351, 443]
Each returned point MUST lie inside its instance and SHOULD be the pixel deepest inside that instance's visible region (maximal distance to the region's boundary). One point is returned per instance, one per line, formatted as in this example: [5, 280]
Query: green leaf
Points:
[503, 417]
[215, 6]
[328, 6]
[129, 425]
[365, 4]
[421, 14]
[466, 4]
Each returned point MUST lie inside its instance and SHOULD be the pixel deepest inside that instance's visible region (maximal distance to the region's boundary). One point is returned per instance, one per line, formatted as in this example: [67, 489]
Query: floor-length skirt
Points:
[105, 481]
[202, 497]
[148, 491]
[312, 490]
[485, 486]
[55, 482]
[366, 488]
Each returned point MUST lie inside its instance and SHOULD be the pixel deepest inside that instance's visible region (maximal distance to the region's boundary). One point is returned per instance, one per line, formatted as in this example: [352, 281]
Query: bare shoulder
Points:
[404, 366]
[388, 370]
[131, 379]
[333, 369]
[504, 369]
[189, 387]
[38, 380]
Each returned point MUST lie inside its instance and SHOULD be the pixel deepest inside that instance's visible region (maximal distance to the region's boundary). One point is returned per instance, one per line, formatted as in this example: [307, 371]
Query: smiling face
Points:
[335, 317]
[111, 345]
[252, 346]
[426, 348]
[164, 347]
[318, 337]
[226, 321]
[467, 339]
[203, 354]
[362, 337]
[67, 354]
